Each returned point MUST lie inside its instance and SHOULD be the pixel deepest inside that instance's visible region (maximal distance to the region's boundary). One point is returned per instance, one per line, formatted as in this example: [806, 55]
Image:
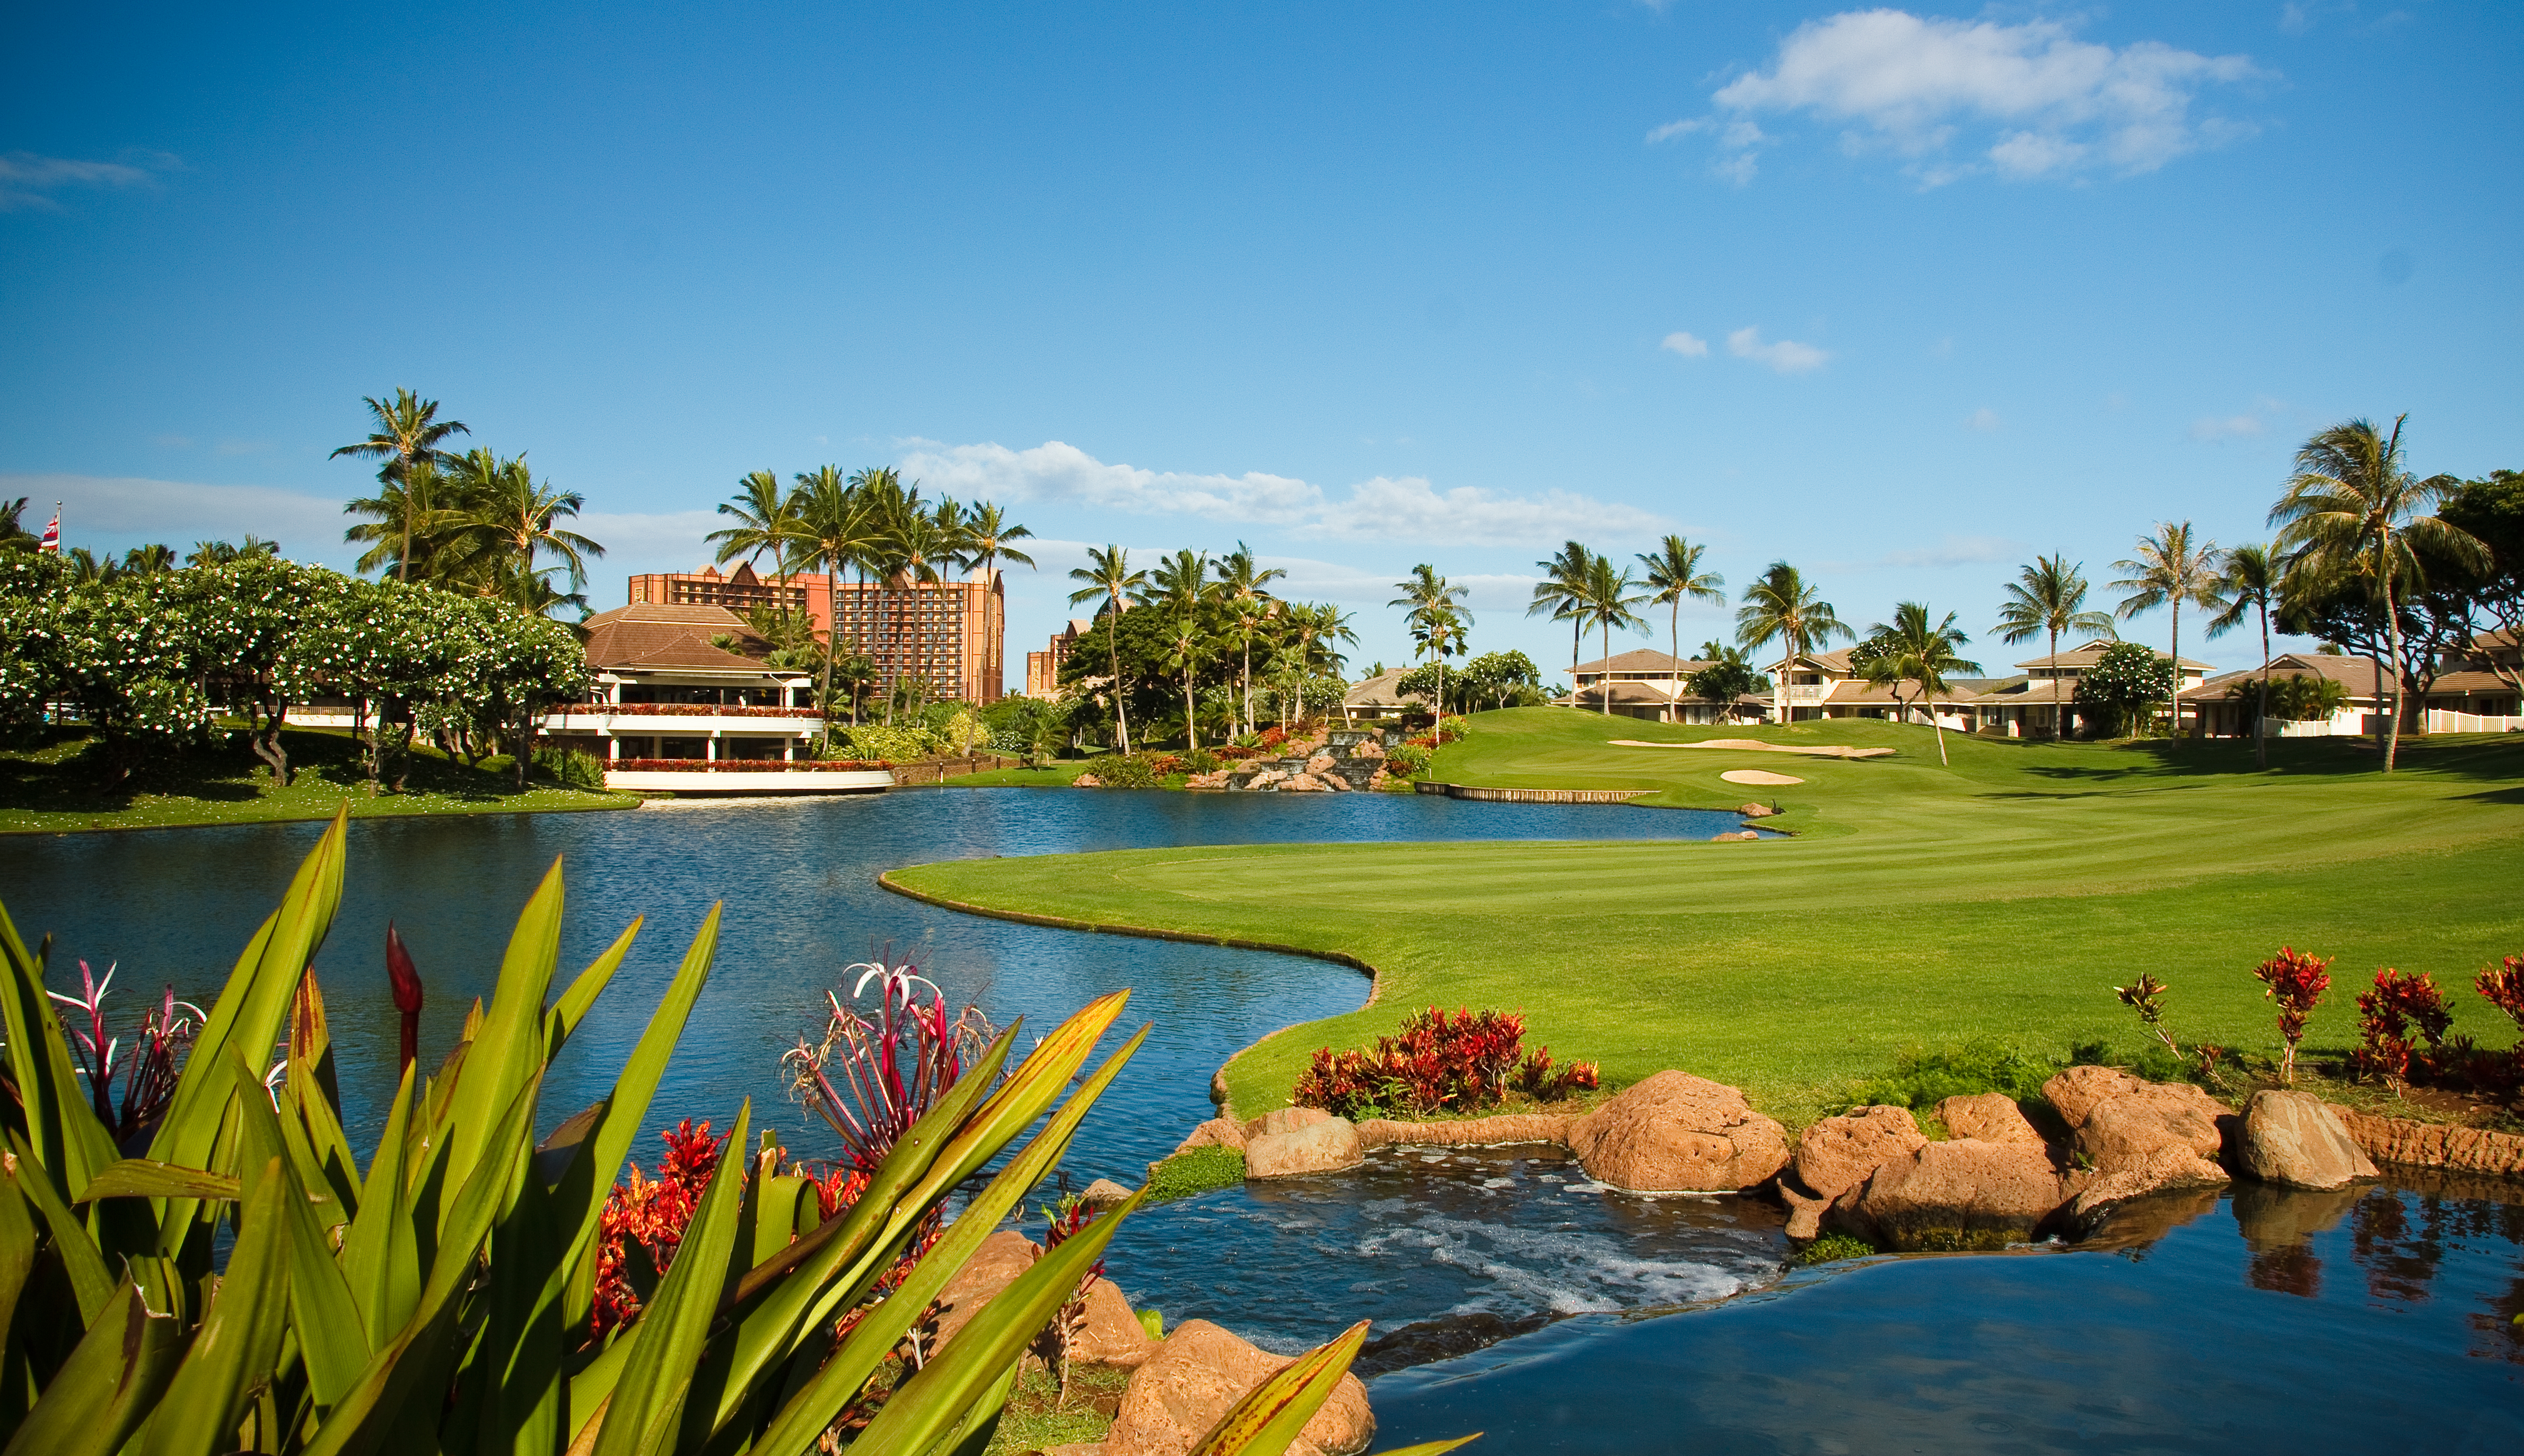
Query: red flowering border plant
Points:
[1441, 1063]
[2504, 987]
[2296, 982]
[2387, 1016]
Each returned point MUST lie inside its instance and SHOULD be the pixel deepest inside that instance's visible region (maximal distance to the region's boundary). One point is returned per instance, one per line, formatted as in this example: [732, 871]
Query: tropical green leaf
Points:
[380, 1259]
[1433, 1448]
[522, 1344]
[141, 1178]
[69, 1142]
[509, 1047]
[90, 1283]
[17, 1250]
[673, 1330]
[566, 1012]
[1275, 1412]
[233, 1357]
[110, 1382]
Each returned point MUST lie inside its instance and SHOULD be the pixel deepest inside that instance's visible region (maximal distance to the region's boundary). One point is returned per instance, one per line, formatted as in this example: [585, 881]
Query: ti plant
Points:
[437, 1297]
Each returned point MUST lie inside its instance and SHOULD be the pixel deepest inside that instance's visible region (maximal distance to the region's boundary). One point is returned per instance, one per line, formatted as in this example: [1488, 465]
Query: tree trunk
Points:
[2262, 716]
[1576, 635]
[1673, 666]
[2059, 709]
[264, 740]
[1113, 641]
[1607, 699]
[2393, 633]
[2174, 718]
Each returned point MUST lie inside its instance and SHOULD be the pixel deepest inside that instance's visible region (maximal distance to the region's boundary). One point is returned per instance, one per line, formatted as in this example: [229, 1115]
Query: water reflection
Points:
[2278, 1226]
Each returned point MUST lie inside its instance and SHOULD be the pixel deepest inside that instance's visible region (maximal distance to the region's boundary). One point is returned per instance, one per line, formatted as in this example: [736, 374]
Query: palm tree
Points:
[836, 530]
[991, 538]
[1909, 650]
[1183, 580]
[1108, 574]
[1428, 596]
[1607, 604]
[1674, 570]
[1242, 578]
[1783, 607]
[768, 520]
[2049, 598]
[14, 536]
[922, 547]
[506, 519]
[408, 433]
[1560, 595]
[2247, 577]
[2352, 499]
[2170, 569]
[149, 559]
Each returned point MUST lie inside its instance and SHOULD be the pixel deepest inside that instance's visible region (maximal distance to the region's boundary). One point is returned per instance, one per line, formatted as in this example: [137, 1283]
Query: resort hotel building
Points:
[950, 633]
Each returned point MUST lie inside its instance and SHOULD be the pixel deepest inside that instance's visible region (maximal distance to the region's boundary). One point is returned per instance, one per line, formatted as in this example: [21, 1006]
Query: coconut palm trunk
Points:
[2393, 640]
[2261, 720]
[1113, 644]
[2173, 720]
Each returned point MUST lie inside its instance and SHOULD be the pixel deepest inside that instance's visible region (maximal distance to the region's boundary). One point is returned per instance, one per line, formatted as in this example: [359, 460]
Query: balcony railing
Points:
[1807, 694]
[681, 711]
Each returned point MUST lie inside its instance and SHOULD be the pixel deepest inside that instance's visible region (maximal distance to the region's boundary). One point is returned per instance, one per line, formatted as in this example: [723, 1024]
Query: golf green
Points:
[1916, 903]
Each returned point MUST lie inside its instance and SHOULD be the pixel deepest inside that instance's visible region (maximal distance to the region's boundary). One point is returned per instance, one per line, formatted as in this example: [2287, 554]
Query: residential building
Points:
[671, 703]
[1042, 668]
[1654, 686]
[2222, 706]
[952, 633]
[2484, 682]
[2042, 700]
[1375, 699]
[1826, 685]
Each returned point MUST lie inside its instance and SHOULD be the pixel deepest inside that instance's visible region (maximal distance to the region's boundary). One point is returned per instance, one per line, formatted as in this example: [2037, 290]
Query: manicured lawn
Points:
[56, 788]
[1055, 776]
[2005, 896]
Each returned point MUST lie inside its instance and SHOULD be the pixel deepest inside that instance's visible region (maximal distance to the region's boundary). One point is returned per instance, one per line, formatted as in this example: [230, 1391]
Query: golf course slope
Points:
[1915, 904]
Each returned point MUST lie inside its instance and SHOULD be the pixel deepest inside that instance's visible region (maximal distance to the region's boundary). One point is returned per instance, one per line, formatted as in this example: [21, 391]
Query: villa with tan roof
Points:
[2042, 699]
[1655, 686]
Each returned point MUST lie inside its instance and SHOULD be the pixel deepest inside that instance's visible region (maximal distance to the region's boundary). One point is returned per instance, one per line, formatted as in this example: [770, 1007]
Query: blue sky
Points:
[1903, 298]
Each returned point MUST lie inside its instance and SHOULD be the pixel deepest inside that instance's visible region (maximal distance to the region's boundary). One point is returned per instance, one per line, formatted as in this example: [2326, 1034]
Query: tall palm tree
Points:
[2171, 567]
[2049, 598]
[1673, 572]
[1108, 574]
[836, 531]
[1909, 650]
[1782, 607]
[1182, 581]
[14, 536]
[149, 560]
[2247, 578]
[1428, 596]
[989, 539]
[505, 521]
[923, 545]
[767, 522]
[1560, 595]
[1243, 580]
[1607, 603]
[2352, 499]
[408, 433]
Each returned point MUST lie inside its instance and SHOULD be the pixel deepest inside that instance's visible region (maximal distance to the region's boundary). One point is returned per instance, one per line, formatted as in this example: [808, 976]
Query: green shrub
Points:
[1195, 1171]
[1126, 771]
[570, 769]
[1921, 1078]
[1201, 760]
[1406, 761]
[905, 744]
[1834, 1246]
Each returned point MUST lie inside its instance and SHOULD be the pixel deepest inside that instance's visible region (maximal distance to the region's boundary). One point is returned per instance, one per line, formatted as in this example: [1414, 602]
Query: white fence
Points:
[2445, 720]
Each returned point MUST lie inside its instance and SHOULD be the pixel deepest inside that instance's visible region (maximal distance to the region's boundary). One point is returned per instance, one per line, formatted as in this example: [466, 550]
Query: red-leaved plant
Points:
[2388, 1015]
[2296, 982]
[872, 1076]
[1441, 1063]
[2502, 984]
[147, 1064]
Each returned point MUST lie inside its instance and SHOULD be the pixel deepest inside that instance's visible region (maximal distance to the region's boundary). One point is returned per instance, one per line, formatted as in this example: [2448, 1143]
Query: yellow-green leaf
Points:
[1273, 1413]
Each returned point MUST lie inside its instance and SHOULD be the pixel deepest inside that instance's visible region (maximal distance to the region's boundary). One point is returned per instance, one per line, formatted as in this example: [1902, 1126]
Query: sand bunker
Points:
[1757, 746]
[1757, 776]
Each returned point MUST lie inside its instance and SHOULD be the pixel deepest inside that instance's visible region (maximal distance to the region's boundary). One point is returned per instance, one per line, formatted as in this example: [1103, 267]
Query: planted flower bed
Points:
[682, 710]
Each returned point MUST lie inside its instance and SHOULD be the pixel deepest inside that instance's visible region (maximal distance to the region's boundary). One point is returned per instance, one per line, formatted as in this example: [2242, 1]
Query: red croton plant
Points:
[2296, 982]
[1441, 1063]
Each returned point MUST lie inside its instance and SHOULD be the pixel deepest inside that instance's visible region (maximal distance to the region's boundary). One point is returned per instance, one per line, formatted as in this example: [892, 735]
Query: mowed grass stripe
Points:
[2005, 896]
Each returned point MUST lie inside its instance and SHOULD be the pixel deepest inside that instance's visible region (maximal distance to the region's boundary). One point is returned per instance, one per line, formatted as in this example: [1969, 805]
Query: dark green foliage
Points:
[2120, 688]
[1195, 1171]
[570, 770]
[1921, 1078]
[1832, 1248]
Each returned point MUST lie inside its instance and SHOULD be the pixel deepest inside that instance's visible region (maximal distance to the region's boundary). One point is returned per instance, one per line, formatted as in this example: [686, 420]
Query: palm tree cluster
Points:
[1195, 618]
[870, 523]
[473, 521]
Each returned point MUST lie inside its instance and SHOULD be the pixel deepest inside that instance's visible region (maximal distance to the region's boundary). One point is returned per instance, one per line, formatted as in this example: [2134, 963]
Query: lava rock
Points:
[2290, 1138]
[1198, 1374]
[1325, 1147]
[1677, 1133]
[1961, 1194]
[1991, 1117]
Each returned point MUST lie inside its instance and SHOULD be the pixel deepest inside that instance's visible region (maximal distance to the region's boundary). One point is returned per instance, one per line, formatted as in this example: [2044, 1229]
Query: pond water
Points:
[1510, 1293]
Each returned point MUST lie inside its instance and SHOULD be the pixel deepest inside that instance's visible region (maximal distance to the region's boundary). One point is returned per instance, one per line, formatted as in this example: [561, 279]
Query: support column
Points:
[710, 749]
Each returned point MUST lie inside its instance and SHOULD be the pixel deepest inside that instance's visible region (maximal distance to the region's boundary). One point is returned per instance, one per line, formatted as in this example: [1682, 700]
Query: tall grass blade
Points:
[1274, 1413]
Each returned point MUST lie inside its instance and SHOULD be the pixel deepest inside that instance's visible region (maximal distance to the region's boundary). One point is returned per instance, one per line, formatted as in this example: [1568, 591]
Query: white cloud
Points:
[1380, 508]
[1672, 130]
[2232, 427]
[1954, 551]
[1924, 88]
[132, 509]
[1984, 419]
[1787, 356]
[27, 181]
[1686, 345]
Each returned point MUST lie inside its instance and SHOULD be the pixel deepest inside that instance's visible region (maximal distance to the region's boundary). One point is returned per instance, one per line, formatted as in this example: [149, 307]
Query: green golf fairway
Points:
[1916, 905]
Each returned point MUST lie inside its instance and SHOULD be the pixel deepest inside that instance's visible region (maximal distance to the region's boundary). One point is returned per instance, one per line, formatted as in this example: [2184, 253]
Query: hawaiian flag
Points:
[52, 541]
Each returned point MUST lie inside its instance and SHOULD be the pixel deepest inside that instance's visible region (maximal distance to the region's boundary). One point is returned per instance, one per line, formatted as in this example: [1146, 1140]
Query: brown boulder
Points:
[1837, 1154]
[1320, 765]
[1112, 1334]
[1325, 1147]
[1754, 810]
[2170, 1168]
[2125, 1130]
[1285, 1120]
[2419, 1145]
[2291, 1137]
[1677, 1133]
[1954, 1195]
[993, 1267]
[2078, 1091]
[1217, 1131]
[1804, 1211]
[1472, 1132]
[1104, 1194]
[1198, 1374]
[1991, 1117]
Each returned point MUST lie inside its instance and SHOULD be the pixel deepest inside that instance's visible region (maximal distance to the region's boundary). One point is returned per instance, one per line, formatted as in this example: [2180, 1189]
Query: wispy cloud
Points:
[180, 512]
[1381, 509]
[28, 181]
[1983, 419]
[1686, 345]
[2232, 427]
[1952, 550]
[1787, 356]
[1961, 97]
